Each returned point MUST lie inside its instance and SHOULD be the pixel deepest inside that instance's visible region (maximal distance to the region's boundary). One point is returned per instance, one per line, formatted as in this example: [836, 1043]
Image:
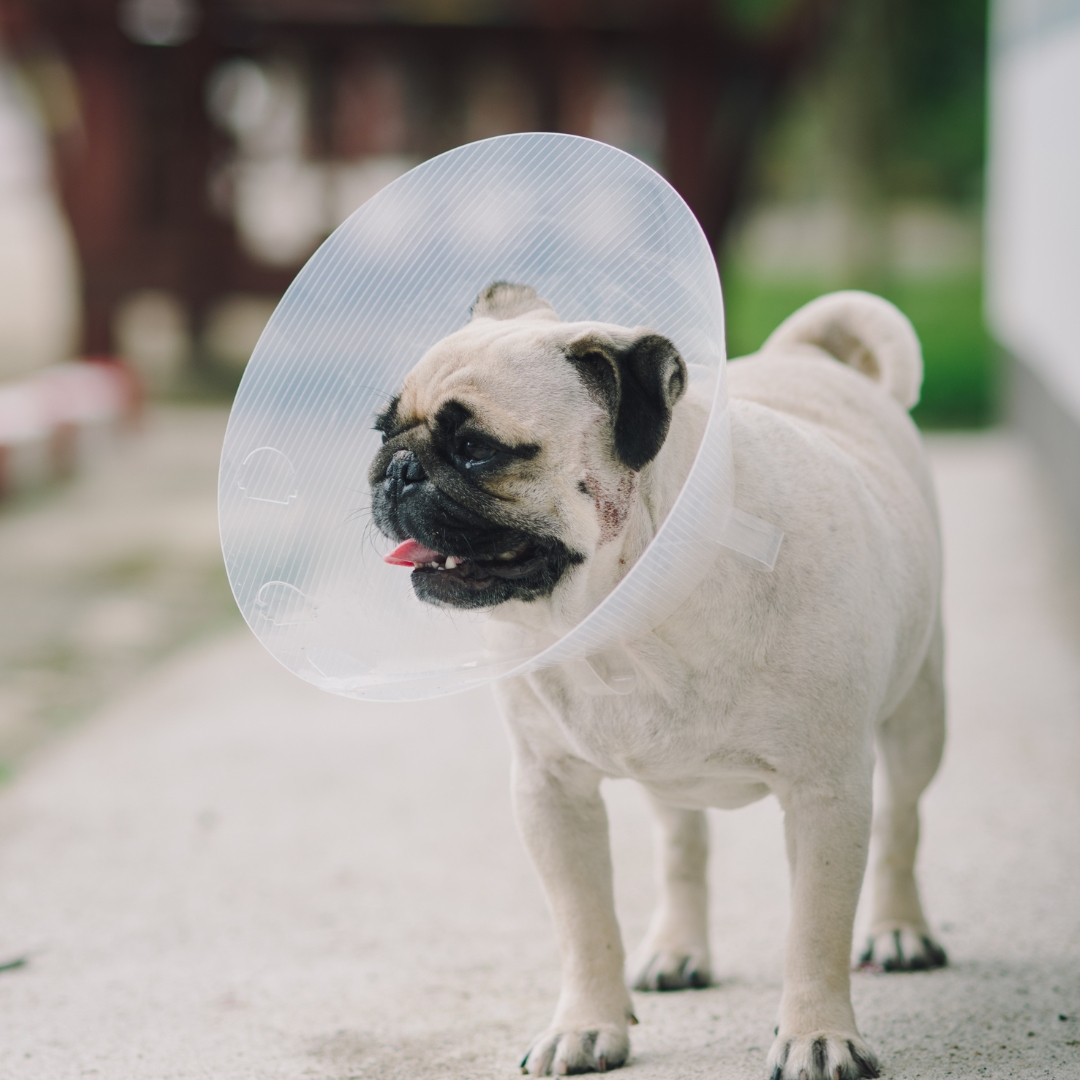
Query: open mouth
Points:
[475, 571]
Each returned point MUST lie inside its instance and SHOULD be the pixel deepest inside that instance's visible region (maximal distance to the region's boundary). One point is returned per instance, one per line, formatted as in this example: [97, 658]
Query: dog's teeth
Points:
[451, 562]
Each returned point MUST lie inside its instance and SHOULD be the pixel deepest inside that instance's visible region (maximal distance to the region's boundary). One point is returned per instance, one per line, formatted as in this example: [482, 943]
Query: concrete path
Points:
[228, 874]
[104, 575]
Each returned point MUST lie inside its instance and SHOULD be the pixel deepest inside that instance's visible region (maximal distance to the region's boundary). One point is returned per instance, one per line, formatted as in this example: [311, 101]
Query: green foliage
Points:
[936, 57]
[754, 15]
[959, 389]
[893, 109]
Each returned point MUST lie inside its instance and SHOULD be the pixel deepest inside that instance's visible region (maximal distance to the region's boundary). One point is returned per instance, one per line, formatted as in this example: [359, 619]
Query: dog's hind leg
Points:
[910, 744]
[675, 952]
[827, 814]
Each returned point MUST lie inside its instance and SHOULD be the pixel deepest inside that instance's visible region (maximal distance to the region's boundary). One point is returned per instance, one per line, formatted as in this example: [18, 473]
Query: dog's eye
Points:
[476, 451]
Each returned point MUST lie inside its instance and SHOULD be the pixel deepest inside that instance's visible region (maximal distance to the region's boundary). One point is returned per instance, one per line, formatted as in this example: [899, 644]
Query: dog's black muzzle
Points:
[494, 562]
[408, 503]
[403, 472]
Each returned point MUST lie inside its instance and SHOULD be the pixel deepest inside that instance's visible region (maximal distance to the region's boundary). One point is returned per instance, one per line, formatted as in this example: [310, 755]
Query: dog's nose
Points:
[403, 471]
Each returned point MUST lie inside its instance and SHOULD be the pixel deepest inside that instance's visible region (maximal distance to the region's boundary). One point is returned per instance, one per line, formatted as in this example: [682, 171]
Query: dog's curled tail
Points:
[863, 331]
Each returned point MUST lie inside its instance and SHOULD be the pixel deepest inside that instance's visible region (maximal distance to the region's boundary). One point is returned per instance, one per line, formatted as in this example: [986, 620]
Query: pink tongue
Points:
[412, 553]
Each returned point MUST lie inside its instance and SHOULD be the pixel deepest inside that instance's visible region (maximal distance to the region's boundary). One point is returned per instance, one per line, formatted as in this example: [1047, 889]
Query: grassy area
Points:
[960, 386]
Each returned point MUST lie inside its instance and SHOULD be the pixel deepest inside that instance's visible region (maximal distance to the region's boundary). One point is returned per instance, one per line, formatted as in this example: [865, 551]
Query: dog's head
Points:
[512, 454]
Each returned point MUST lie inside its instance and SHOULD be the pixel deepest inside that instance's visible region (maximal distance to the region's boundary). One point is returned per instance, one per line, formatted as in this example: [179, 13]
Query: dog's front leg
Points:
[564, 826]
[828, 831]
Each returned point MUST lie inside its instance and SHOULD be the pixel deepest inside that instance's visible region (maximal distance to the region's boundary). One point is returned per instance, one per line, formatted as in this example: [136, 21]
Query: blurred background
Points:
[166, 166]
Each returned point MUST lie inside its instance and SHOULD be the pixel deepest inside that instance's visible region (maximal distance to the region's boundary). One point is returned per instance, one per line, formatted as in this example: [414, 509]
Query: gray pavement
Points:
[103, 576]
[228, 874]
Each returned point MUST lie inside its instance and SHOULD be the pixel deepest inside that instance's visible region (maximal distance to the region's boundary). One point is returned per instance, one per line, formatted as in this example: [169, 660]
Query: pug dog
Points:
[526, 463]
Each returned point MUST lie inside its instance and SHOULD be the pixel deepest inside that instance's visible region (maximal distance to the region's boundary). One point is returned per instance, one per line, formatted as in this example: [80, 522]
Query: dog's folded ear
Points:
[638, 382]
[504, 300]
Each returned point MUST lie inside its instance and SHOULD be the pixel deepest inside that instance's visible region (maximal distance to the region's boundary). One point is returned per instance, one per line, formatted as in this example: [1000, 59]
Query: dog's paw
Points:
[561, 1053]
[671, 971]
[821, 1055]
[901, 948]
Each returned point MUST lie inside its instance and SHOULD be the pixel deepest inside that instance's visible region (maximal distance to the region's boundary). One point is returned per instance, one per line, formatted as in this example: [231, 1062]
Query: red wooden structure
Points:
[135, 171]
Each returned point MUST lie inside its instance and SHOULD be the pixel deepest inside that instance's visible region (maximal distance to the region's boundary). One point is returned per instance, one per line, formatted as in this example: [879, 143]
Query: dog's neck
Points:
[654, 492]
[659, 484]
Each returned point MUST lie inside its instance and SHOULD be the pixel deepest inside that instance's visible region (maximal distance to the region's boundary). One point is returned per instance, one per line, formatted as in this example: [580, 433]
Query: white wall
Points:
[1033, 189]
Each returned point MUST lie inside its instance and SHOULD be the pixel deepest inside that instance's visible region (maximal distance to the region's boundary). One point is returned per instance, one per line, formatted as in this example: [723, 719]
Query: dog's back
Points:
[828, 365]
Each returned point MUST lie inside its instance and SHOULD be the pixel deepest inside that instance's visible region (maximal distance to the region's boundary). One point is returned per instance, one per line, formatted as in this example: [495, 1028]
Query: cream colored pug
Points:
[526, 464]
